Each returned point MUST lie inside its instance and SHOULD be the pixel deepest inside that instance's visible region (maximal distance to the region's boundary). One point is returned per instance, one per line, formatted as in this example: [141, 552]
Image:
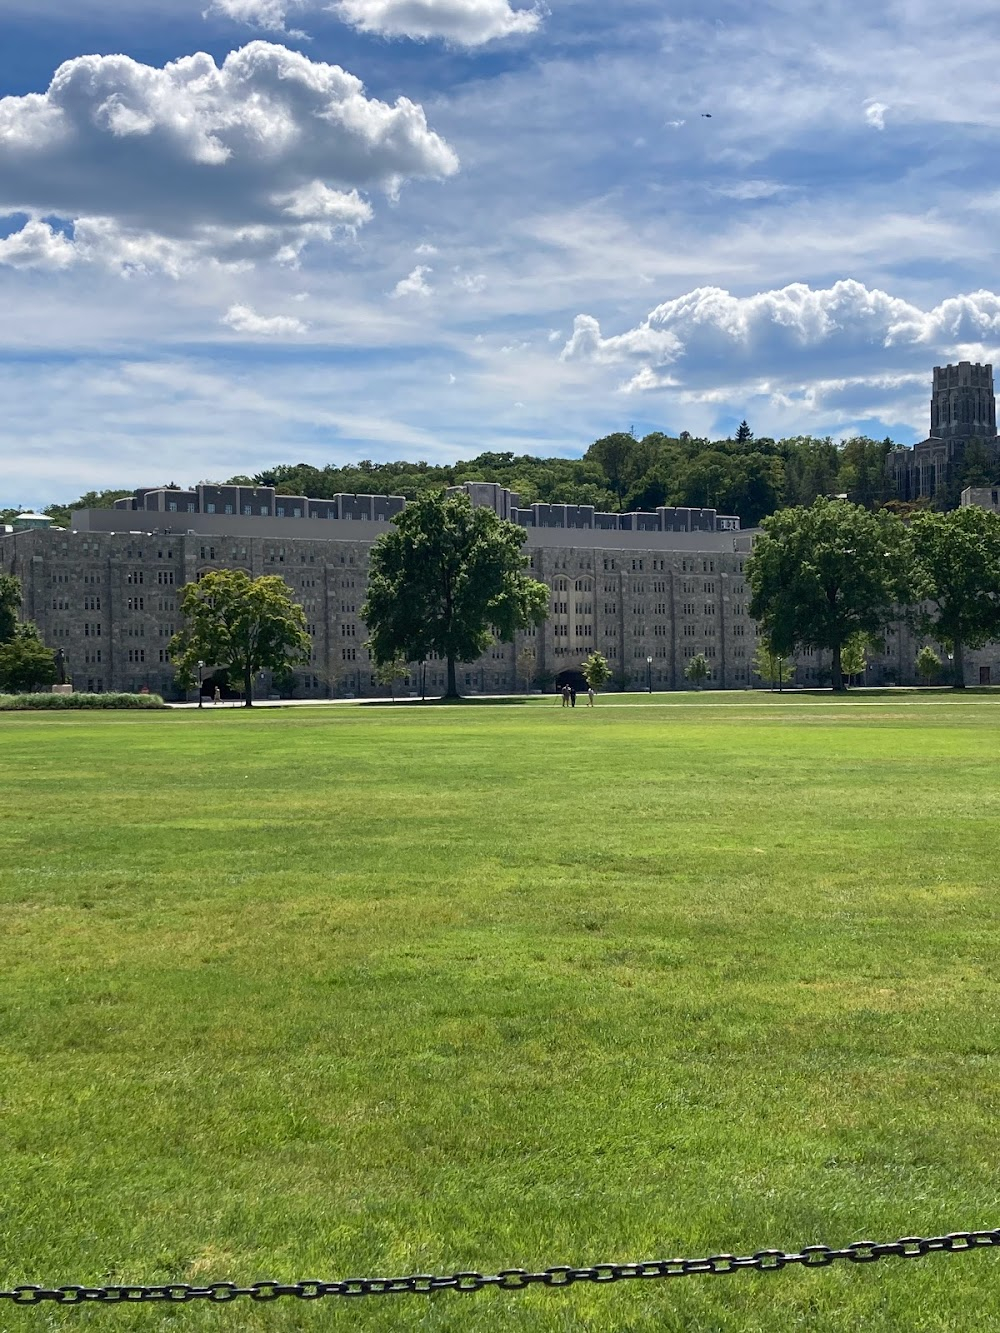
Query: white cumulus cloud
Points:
[249, 160]
[462, 22]
[415, 283]
[789, 331]
[244, 319]
[37, 245]
[875, 114]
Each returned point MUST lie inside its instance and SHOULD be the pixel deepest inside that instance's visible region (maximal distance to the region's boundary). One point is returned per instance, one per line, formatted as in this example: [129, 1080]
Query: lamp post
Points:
[649, 675]
[201, 668]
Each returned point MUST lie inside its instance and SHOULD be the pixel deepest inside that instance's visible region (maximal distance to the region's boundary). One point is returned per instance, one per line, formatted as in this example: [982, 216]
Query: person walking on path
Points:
[590, 696]
[565, 696]
[217, 696]
[572, 696]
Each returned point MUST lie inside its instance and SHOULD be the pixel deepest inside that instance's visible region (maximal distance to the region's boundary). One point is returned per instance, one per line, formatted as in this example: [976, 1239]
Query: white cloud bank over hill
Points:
[157, 168]
[780, 332]
[462, 22]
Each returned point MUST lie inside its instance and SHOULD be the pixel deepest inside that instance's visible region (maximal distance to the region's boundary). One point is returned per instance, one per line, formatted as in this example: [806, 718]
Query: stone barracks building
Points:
[648, 590]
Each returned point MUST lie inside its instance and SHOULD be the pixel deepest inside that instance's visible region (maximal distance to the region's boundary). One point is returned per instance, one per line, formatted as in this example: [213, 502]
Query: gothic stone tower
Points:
[963, 408]
[962, 403]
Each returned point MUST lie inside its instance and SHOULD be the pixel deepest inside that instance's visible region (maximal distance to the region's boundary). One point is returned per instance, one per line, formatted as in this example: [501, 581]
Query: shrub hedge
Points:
[15, 702]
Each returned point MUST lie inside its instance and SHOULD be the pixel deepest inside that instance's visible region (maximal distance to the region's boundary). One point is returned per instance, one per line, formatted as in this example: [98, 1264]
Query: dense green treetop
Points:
[749, 477]
[958, 578]
[447, 581]
[25, 662]
[241, 624]
[822, 574]
[10, 606]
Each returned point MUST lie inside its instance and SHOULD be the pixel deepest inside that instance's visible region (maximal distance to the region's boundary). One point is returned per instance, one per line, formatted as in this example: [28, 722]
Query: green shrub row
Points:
[12, 702]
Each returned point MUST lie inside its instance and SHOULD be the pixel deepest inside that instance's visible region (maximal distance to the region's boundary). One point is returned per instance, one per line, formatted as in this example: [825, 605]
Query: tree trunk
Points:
[248, 686]
[452, 690]
[959, 681]
[838, 675]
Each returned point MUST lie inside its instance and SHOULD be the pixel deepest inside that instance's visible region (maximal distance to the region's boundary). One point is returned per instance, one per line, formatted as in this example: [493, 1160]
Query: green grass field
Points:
[368, 990]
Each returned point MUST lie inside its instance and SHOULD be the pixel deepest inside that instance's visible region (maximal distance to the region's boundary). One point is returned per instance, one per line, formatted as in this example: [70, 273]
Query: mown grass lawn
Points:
[359, 990]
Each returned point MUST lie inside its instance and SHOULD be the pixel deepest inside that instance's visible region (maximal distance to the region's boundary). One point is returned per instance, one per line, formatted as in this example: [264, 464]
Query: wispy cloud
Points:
[266, 15]
[244, 319]
[415, 283]
[464, 22]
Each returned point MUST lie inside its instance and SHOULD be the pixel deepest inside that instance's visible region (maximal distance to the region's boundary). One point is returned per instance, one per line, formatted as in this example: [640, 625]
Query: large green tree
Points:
[447, 581]
[822, 574]
[10, 606]
[25, 662]
[958, 578]
[242, 624]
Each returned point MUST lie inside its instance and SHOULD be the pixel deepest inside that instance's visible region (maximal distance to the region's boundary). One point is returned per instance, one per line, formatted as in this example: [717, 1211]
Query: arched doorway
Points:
[574, 678]
[220, 678]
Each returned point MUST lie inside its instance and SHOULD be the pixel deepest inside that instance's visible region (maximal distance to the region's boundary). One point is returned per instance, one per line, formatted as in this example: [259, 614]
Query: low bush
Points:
[16, 702]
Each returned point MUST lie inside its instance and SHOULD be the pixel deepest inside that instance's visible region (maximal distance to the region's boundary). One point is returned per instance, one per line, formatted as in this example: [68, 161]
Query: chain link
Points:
[512, 1279]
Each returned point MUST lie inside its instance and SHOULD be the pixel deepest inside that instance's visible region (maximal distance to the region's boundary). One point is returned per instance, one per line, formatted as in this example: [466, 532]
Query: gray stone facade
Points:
[106, 592]
[109, 600]
[963, 408]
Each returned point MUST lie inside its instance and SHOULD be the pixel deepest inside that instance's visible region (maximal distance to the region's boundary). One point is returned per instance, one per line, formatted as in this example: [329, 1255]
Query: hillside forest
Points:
[743, 475]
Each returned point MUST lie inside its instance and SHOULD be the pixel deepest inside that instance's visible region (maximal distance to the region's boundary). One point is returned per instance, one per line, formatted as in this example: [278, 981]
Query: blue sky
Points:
[238, 232]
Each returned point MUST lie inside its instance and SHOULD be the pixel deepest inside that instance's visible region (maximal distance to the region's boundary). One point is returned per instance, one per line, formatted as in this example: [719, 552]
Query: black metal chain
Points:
[513, 1279]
